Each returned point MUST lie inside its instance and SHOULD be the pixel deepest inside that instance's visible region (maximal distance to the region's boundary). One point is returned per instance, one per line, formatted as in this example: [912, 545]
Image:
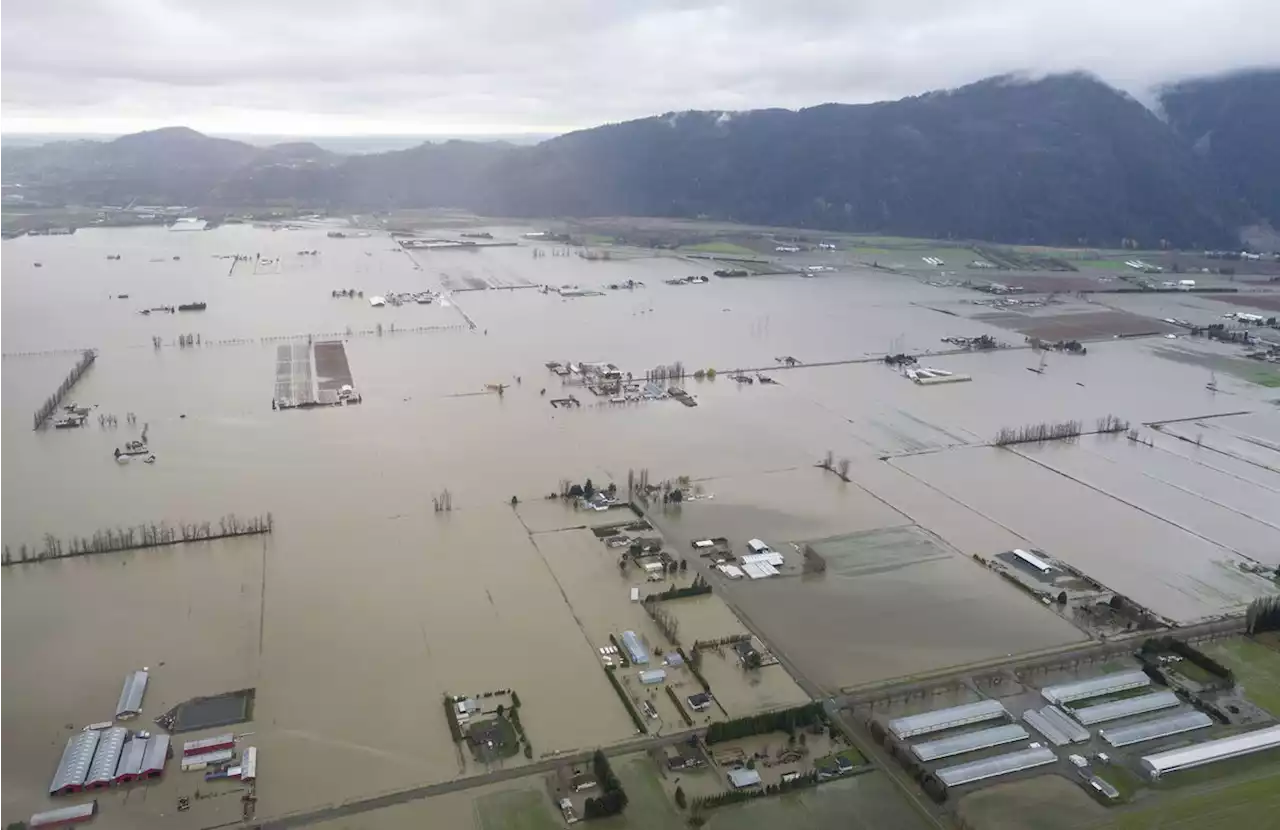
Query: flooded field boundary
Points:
[1130, 504]
[1158, 424]
[47, 408]
[1205, 498]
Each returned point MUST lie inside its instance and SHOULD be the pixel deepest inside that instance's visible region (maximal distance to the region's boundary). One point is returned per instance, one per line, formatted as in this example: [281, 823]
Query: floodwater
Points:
[364, 606]
[1158, 562]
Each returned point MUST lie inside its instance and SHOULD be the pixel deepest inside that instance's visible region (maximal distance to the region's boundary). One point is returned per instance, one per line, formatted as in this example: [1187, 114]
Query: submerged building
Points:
[74, 766]
[102, 772]
[635, 649]
[155, 756]
[135, 686]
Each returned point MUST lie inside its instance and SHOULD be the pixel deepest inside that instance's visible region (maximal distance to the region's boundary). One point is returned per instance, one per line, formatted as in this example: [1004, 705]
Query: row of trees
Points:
[1263, 614]
[699, 587]
[513, 715]
[613, 799]
[450, 714]
[665, 620]
[626, 699]
[786, 720]
[111, 540]
[694, 662]
[51, 403]
[1111, 423]
[1167, 644]
[675, 701]
[831, 465]
[672, 371]
[1043, 431]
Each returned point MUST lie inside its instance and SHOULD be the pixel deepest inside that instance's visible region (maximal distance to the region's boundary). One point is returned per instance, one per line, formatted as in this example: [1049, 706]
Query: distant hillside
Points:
[1065, 159]
[1234, 123]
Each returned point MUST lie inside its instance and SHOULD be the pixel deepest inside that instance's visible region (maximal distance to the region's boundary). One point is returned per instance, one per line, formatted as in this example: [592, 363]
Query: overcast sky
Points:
[322, 67]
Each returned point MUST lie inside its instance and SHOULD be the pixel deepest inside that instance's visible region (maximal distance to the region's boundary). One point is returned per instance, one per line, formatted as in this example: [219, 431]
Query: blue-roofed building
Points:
[636, 651]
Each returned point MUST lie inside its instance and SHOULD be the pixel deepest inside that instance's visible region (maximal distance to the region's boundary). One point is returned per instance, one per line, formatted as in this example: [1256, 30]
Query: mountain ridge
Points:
[1061, 159]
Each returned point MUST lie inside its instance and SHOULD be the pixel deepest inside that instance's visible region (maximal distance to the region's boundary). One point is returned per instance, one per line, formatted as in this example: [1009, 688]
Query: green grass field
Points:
[862, 802]
[648, 805]
[1122, 779]
[516, 810]
[1265, 377]
[1244, 805]
[721, 247]
[1256, 667]
[851, 755]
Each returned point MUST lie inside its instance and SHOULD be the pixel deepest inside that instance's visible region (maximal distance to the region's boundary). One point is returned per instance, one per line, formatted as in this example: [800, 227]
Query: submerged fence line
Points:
[206, 342]
[118, 539]
[47, 408]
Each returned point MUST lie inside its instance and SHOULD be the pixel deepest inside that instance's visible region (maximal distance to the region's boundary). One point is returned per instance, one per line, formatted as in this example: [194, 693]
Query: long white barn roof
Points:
[1206, 753]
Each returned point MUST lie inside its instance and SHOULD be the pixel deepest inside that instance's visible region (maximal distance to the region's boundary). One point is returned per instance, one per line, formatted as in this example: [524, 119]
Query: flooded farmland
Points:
[365, 604]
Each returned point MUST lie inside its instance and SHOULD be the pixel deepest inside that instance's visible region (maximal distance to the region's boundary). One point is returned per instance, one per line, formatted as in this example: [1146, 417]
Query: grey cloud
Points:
[378, 65]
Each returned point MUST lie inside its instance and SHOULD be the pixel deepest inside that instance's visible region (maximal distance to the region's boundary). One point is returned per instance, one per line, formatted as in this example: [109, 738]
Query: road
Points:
[377, 802]
[1025, 663]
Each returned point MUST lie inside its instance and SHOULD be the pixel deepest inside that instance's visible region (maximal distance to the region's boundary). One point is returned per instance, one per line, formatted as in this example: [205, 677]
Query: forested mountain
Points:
[1234, 123]
[1062, 159]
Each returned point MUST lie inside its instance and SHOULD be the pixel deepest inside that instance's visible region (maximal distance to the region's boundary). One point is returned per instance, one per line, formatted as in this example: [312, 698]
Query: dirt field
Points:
[1078, 326]
[1253, 803]
[1270, 302]
[1047, 802]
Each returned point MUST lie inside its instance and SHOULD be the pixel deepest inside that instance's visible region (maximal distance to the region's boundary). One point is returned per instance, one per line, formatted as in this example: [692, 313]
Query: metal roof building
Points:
[74, 765]
[64, 815]
[969, 742]
[217, 756]
[130, 766]
[769, 558]
[102, 772]
[249, 764]
[1031, 559]
[938, 719]
[1096, 687]
[759, 570]
[1039, 723]
[1150, 730]
[1054, 724]
[135, 685]
[227, 740]
[1126, 708]
[635, 649]
[994, 766]
[743, 778]
[157, 753]
[1208, 752]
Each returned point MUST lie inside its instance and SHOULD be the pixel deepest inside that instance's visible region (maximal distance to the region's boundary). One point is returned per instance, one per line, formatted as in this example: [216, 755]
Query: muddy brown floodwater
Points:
[365, 606]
